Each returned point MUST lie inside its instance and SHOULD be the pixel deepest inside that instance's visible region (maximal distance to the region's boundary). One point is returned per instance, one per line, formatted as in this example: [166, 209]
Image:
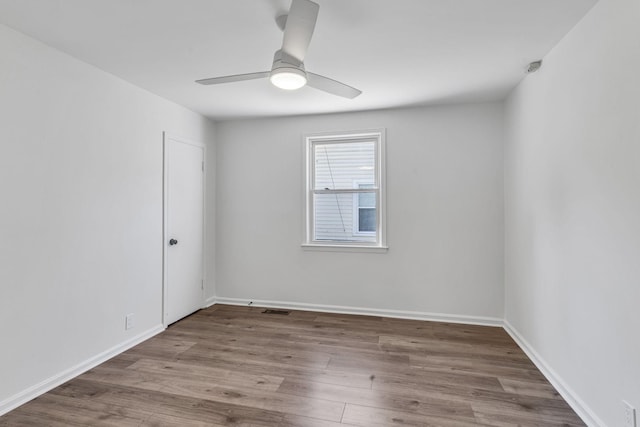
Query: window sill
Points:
[344, 248]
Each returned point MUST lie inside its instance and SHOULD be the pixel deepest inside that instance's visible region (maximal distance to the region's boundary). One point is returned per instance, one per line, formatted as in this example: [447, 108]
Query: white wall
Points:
[573, 211]
[445, 214]
[81, 210]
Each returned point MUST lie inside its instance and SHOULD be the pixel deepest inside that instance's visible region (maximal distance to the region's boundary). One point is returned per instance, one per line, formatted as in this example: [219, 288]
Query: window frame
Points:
[310, 141]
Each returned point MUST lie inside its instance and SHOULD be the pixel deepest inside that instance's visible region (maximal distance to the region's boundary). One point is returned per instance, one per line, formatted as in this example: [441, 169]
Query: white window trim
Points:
[379, 135]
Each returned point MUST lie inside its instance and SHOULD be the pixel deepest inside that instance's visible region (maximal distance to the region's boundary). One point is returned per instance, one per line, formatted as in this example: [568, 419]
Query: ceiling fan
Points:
[287, 71]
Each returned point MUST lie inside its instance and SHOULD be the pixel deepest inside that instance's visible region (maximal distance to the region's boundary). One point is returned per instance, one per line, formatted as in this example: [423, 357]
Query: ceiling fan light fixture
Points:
[288, 78]
[287, 70]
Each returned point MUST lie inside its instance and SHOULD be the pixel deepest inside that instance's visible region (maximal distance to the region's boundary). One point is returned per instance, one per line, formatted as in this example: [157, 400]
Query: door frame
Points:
[166, 137]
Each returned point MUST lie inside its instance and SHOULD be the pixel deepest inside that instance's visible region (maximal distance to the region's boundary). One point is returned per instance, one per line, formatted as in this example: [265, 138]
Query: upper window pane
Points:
[337, 165]
[366, 200]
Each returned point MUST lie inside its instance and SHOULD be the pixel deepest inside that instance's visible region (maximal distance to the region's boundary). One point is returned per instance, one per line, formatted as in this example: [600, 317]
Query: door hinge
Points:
[202, 284]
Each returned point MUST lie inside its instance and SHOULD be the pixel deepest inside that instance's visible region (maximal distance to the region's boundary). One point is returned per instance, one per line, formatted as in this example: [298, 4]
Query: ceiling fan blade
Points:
[331, 86]
[234, 78]
[298, 30]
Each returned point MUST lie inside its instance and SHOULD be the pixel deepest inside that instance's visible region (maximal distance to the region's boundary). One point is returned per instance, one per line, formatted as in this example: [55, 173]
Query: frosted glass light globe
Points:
[288, 78]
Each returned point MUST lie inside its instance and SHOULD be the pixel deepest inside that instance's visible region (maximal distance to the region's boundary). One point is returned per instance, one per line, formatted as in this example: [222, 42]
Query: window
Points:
[345, 190]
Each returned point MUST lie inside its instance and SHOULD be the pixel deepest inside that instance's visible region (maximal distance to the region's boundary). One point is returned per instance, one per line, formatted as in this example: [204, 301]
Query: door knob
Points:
[173, 242]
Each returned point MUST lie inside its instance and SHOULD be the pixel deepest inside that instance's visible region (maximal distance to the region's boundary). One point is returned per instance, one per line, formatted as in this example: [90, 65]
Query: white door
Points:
[183, 227]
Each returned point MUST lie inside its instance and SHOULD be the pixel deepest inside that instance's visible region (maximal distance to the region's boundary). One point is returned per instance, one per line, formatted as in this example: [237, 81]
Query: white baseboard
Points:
[577, 404]
[400, 314]
[209, 302]
[64, 376]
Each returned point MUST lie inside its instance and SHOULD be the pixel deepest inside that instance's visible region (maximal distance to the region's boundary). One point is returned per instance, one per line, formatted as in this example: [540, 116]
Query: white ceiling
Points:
[398, 52]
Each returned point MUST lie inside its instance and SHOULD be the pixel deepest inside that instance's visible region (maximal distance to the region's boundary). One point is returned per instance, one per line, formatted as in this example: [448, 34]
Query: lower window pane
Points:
[339, 218]
[366, 220]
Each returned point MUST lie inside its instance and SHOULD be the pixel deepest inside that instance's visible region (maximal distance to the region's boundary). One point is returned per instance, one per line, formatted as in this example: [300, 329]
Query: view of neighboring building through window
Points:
[344, 183]
[364, 220]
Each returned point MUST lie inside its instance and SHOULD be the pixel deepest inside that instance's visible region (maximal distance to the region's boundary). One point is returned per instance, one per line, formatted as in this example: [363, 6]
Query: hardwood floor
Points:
[236, 366]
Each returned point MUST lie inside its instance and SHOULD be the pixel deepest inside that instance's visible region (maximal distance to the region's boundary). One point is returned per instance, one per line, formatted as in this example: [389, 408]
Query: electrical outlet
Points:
[629, 415]
[129, 321]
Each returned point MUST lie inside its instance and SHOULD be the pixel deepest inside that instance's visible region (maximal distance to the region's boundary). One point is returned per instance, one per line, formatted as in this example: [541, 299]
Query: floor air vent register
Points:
[280, 312]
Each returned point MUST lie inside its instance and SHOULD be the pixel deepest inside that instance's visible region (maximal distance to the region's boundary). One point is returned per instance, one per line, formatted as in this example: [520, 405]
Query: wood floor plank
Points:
[507, 406]
[305, 359]
[331, 342]
[77, 412]
[182, 371]
[428, 346]
[30, 419]
[323, 375]
[202, 389]
[158, 420]
[463, 364]
[414, 403]
[238, 366]
[192, 410]
[502, 418]
[382, 362]
[299, 421]
[416, 377]
[162, 346]
[529, 388]
[367, 416]
[442, 385]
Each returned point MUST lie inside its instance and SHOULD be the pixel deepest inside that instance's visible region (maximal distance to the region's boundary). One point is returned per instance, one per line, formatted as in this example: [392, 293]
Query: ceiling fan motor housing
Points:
[283, 60]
